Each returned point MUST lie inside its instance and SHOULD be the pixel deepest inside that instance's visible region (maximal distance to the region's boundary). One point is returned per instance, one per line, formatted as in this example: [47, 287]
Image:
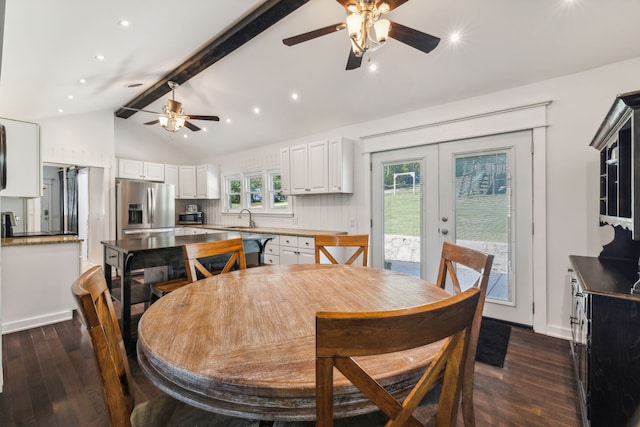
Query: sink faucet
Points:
[251, 223]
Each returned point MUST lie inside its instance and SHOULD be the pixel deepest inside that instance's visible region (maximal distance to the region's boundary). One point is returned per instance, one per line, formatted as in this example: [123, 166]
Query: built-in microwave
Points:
[191, 218]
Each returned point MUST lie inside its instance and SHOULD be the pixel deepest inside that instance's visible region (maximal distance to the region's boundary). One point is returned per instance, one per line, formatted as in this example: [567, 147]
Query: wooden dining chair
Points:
[455, 257]
[194, 253]
[342, 336]
[358, 241]
[103, 332]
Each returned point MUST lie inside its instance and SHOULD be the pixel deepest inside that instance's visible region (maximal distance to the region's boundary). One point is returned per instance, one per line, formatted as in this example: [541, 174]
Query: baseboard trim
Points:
[35, 322]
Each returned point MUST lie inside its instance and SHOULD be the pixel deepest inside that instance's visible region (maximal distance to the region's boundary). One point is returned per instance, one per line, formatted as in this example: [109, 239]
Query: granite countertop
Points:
[39, 240]
[266, 230]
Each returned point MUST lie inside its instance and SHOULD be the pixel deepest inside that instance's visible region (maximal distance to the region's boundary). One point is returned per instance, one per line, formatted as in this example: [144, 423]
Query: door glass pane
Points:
[482, 219]
[402, 213]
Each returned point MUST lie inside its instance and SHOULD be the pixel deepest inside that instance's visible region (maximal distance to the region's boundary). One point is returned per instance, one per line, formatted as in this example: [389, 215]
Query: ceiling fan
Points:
[368, 31]
[172, 118]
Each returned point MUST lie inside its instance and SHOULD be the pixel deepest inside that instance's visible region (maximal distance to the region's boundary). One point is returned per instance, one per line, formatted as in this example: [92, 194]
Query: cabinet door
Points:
[340, 165]
[306, 257]
[285, 171]
[288, 255]
[318, 167]
[132, 169]
[298, 169]
[24, 166]
[208, 182]
[187, 182]
[172, 176]
[153, 171]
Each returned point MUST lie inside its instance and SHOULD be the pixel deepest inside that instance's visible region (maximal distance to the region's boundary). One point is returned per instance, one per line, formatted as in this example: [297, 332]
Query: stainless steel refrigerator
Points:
[144, 209]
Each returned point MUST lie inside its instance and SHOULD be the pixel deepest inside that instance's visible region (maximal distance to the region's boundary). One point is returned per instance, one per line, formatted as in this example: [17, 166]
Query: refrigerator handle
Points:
[150, 204]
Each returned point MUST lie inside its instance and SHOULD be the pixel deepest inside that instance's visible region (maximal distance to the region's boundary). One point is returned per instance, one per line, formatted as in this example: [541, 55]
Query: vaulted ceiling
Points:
[48, 47]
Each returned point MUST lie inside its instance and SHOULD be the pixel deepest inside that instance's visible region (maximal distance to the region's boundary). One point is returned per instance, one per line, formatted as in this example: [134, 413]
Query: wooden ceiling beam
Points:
[263, 17]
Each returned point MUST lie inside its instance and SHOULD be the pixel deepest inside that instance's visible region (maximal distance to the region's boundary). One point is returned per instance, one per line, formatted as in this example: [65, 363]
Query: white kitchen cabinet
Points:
[208, 181]
[199, 182]
[24, 163]
[319, 167]
[172, 176]
[272, 251]
[309, 168]
[297, 250]
[285, 171]
[340, 165]
[136, 169]
[187, 182]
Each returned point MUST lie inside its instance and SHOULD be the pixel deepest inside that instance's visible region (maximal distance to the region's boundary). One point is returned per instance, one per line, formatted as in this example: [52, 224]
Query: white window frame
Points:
[245, 194]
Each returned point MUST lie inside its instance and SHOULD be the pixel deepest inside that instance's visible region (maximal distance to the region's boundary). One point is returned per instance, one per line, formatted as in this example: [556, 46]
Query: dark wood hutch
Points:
[605, 318]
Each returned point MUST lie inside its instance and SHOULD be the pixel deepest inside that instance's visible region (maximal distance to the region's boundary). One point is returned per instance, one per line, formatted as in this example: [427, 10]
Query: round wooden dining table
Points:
[243, 343]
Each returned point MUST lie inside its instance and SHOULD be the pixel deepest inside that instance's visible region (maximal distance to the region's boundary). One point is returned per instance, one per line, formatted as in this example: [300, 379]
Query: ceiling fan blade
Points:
[392, 3]
[143, 111]
[191, 126]
[211, 118]
[354, 61]
[313, 34]
[414, 38]
[153, 122]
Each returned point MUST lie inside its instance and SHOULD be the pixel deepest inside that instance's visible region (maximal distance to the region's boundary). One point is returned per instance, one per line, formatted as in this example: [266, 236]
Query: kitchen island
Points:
[37, 273]
[127, 255]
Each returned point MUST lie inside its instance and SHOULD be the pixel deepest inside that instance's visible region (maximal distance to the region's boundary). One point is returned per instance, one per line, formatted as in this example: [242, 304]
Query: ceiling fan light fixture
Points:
[354, 25]
[382, 28]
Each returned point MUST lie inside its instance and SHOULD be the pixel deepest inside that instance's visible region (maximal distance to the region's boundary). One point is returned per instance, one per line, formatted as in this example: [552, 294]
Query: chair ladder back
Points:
[99, 318]
[455, 255]
[339, 338]
[195, 251]
[358, 241]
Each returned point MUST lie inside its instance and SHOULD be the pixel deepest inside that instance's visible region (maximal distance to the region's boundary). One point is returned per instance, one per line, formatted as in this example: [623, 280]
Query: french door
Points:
[476, 193]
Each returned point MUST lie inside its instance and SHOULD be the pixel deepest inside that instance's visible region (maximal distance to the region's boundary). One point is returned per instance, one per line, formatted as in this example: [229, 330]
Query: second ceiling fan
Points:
[368, 30]
[172, 118]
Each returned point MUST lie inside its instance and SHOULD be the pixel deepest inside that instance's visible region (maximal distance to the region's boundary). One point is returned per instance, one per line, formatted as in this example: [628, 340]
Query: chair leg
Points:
[467, 403]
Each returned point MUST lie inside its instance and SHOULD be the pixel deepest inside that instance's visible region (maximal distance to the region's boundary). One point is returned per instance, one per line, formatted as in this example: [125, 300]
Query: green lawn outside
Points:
[480, 217]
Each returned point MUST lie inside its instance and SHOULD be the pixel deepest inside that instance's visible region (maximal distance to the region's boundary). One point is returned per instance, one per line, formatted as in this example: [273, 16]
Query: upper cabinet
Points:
[199, 182]
[208, 181]
[319, 167]
[136, 169]
[23, 160]
[172, 176]
[340, 165]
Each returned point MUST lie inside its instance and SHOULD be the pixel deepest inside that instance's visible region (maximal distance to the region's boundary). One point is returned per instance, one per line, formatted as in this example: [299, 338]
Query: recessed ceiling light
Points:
[185, 136]
[228, 121]
[256, 110]
[124, 23]
[99, 57]
[69, 97]
[204, 129]
[60, 110]
[295, 96]
[82, 81]
[454, 37]
[373, 67]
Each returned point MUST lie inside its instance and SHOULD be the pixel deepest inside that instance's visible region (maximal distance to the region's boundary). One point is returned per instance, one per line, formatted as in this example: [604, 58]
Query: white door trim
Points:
[531, 117]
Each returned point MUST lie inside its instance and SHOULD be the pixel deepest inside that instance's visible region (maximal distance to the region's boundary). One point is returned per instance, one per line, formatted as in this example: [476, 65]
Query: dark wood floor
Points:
[50, 380]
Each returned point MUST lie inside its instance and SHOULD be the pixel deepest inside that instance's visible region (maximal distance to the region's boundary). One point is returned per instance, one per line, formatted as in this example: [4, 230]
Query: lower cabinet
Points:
[287, 249]
[606, 340]
[297, 250]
